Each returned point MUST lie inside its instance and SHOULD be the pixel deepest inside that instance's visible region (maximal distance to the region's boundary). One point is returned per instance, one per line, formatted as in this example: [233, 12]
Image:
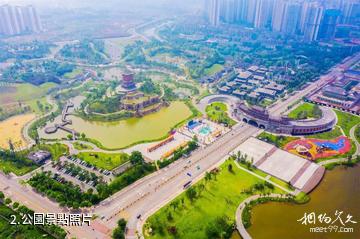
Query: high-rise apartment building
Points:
[252, 6]
[263, 13]
[9, 23]
[214, 12]
[350, 12]
[278, 15]
[228, 13]
[18, 20]
[312, 21]
[291, 18]
[328, 23]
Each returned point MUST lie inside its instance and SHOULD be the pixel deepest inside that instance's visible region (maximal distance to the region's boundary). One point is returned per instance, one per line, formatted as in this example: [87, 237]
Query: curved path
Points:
[94, 148]
[227, 99]
[238, 216]
[25, 131]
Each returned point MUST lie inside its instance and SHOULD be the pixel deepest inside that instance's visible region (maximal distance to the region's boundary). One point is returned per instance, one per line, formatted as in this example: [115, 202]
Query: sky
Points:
[101, 4]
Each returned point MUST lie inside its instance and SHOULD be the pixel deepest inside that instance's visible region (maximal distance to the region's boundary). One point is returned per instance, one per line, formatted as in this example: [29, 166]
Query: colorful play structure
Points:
[313, 149]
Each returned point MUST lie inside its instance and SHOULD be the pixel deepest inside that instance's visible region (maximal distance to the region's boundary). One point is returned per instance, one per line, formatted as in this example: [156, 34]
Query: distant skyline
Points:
[104, 4]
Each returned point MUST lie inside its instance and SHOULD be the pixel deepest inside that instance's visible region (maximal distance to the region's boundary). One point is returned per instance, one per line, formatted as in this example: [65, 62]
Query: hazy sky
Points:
[98, 4]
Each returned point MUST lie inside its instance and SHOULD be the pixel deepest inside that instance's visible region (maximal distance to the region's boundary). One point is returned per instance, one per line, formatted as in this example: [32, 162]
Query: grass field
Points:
[104, 160]
[278, 141]
[8, 166]
[73, 74]
[81, 146]
[218, 112]
[213, 69]
[11, 129]
[306, 107]
[26, 94]
[357, 133]
[347, 121]
[219, 198]
[336, 132]
[56, 150]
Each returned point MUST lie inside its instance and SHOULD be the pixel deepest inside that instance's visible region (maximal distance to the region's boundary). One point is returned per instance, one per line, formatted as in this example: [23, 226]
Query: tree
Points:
[7, 201]
[174, 204]
[230, 168]
[83, 135]
[191, 194]
[208, 176]
[15, 205]
[201, 188]
[172, 230]
[119, 232]
[136, 158]
[2, 196]
[316, 111]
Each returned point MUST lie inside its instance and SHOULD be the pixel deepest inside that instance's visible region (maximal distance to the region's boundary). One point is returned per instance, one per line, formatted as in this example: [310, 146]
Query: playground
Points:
[313, 149]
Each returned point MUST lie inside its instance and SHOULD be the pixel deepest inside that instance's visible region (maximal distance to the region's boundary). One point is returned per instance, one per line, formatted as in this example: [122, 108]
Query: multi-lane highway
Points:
[146, 195]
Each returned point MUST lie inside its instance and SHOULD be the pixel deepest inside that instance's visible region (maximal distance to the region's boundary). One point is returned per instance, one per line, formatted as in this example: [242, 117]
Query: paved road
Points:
[26, 196]
[145, 196]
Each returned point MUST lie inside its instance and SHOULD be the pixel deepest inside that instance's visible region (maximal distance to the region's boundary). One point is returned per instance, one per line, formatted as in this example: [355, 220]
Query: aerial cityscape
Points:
[189, 119]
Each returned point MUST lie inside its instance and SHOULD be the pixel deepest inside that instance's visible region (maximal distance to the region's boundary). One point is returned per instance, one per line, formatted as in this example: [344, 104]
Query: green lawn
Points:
[104, 160]
[266, 102]
[336, 132]
[305, 108]
[281, 183]
[278, 141]
[213, 69]
[9, 166]
[25, 93]
[219, 199]
[73, 74]
[56, 150]
[357, 133]
[19, 169]
[35, 107]
[218, 112]
[346, 121]
[81, 146]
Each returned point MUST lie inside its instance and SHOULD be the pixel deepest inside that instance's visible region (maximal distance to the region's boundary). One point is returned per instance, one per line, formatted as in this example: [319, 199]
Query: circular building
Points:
[260, 117]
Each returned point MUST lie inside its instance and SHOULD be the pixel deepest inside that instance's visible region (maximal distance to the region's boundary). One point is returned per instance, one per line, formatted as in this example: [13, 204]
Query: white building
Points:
[213, 7]
[18, 20]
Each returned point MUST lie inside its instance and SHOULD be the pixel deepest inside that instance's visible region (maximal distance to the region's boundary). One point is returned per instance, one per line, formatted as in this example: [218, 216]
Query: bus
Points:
[187, 185]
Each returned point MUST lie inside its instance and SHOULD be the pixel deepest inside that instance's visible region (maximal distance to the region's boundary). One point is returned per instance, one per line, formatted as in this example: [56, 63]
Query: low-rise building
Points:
[244, 75]
[266, 92]
[39, 157]
[275, 87]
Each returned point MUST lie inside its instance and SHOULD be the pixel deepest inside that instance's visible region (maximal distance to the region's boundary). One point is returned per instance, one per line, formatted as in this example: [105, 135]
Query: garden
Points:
[218, 112]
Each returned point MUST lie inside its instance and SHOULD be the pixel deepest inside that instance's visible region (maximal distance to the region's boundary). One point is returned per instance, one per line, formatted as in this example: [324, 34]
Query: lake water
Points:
[339, 190]
[125, 132]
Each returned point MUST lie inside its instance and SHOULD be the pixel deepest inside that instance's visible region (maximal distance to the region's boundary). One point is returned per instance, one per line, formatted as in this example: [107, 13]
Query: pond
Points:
[122, 133]
[339, 190]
